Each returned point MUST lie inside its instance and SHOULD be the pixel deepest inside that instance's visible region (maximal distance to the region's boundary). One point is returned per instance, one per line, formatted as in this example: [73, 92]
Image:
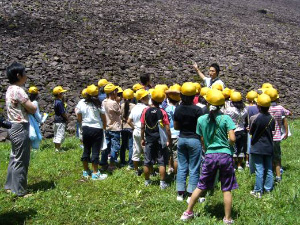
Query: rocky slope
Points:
[75, 43]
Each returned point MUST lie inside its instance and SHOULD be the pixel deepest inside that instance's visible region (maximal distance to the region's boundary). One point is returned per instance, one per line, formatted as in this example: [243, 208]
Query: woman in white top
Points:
[92, 118]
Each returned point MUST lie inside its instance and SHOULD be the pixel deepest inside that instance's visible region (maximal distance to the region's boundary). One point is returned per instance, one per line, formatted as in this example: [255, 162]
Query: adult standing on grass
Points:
[262, 126]
[217, 134]
[18, 106]
[214, 71]
[92, 117]
[189, 146]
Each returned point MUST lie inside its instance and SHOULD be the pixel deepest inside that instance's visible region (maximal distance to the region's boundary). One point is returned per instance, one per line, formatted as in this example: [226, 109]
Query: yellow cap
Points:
[235, 96]
[158, 95]
[273, 93]
[266, 85]
[84, 93]
[176, 86]
[33, 90]
[140, 94]
[109, 88]
[102, 82]
[150, 91]
[215, 97]
[174, 93]
[188, 89]
[57, 90]
[226, 92]
[251, 95]
[204, 90]
[92, 90]
[198, 88]
[120, 90]
[264, 100]
[128, 94]
[217, 86]
[137, 87]
[164, 87]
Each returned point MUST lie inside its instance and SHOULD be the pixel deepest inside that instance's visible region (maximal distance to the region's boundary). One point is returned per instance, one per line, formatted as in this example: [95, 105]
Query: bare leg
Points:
[95, 167]
[227, 204]
[162, 172]
[240, 161]
[57, 146]
[136, 165]
[175, 166]
[277, 169]
[85, 165]
[197, 193]
[147, 170]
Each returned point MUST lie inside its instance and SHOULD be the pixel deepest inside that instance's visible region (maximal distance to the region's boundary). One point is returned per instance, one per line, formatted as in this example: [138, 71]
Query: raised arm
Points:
[201, 75]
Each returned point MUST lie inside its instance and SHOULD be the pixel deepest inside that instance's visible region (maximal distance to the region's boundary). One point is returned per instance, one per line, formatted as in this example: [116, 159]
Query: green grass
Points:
[61, 196]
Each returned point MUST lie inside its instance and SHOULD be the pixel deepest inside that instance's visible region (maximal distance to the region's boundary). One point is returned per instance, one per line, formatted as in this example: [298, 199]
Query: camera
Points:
[4, 123]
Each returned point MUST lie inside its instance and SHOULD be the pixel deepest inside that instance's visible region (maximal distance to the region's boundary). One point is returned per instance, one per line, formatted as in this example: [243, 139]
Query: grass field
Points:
[61, 196]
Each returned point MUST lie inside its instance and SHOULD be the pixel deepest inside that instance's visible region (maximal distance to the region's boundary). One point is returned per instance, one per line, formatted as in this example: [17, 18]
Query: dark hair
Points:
[187, 100]
[202, 100]
[33, 97]
[101, 90]
[212, 114]
[264, 110]
[145, 78]
[13, 70]
[94, 100]
[126, 108]
[239, 105]
[216, 66]
[174, 102]
[155, 103]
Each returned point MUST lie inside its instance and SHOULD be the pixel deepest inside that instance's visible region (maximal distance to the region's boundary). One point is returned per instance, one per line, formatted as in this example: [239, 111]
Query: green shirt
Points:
[215, 135]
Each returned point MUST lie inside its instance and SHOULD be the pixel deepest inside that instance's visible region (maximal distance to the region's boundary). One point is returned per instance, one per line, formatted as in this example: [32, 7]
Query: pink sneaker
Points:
[187, 216]
[228, 221]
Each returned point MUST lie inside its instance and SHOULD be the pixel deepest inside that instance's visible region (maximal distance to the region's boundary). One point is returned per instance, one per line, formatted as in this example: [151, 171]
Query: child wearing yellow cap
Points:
[35, 119]
[126, 133]
[60, 117]
[155, 149]
[239, 114]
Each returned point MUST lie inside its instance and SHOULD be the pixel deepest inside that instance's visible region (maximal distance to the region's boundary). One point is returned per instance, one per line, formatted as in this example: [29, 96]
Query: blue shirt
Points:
[59, 109]
[170, 111]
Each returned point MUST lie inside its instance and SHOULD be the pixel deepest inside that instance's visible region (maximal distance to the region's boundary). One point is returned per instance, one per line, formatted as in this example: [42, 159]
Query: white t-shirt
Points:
[237, 116]
[208, 79]
[135, 115]
[90, 114]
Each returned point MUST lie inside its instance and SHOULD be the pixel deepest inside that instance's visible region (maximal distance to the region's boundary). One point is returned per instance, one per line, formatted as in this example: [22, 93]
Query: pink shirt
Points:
[278, 112]
[15, 98]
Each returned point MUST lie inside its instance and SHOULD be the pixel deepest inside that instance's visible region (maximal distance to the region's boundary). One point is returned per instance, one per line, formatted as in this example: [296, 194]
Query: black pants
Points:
[92, 141]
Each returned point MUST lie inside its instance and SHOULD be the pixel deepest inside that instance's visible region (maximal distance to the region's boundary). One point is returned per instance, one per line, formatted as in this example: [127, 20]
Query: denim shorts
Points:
[155, 153]
[212, 163]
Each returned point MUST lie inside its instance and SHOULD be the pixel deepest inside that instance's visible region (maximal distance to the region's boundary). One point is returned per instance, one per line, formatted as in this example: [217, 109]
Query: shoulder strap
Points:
[261, 133]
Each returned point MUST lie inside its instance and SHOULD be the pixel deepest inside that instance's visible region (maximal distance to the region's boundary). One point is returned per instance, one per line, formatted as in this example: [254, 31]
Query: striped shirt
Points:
[278, 112]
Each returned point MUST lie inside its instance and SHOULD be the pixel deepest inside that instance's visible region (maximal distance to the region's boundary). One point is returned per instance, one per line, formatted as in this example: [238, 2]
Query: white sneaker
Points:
[147, 182]
[179, 198]
[170, 171]
[188, 200]
[200, 200]
[163, 186]
[240, 168]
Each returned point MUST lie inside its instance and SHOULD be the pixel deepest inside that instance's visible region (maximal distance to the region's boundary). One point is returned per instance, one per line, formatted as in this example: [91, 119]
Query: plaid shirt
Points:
[278, 112]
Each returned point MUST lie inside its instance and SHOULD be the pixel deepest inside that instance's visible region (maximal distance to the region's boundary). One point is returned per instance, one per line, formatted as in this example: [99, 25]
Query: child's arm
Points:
[169, 135]
[64, 115]
[129, 121]
[79, 117]
[285, 124]
[231, 136]
[143, 134]
[103, 118]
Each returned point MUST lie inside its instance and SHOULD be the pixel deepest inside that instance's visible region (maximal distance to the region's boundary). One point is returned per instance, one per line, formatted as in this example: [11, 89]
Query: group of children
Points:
[188, 128]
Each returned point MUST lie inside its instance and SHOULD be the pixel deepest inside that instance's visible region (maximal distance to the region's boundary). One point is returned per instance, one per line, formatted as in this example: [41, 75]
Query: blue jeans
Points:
[127, 143]
[189, 160]
[113, 147]
[263, 171]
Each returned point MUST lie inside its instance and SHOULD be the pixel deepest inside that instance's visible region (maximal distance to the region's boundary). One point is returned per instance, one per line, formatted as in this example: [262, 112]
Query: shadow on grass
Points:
[43, 185]
[217, 210]
[14, 217]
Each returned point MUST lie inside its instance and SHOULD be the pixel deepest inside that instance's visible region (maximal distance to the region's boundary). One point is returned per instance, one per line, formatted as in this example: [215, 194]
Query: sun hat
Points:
[128, 94]
[158, 95]
[58, 89]
[164, 87]
[141, 94]
[235, 96]
[215, 97]
[137, 87]
[120, 90]
[109, 88]
[33, 90]
[264, 100]
[92, 90]
[102, 82]
[198, 87]
[217, 86]
[84, 93]
[251, 95]
[174, 93]
[188, 89]
[204, 90]
[226, 92]
[273, 93]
